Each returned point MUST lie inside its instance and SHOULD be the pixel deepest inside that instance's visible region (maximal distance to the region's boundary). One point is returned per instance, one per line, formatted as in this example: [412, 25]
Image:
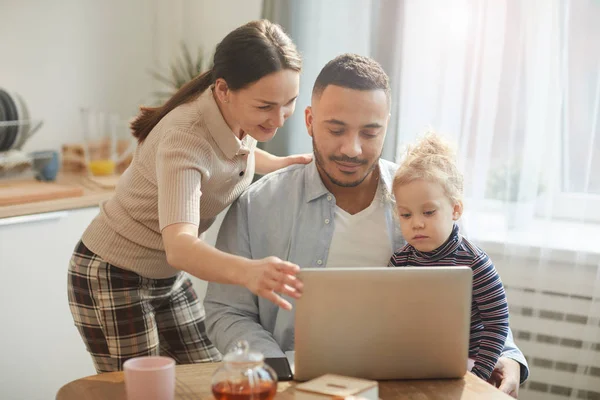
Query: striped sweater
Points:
[489, 309]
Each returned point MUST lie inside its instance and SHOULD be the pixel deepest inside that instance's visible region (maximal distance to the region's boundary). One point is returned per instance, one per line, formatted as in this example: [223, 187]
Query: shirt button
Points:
[241, 173]
[328, 198]
[327, 220]
[320, 262]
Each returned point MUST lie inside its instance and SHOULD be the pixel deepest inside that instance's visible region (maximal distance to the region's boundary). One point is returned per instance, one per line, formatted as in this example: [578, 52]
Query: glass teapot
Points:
[244, 376]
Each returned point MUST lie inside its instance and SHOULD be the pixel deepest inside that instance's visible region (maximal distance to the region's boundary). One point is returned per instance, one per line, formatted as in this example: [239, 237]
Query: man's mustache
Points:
[350, 160]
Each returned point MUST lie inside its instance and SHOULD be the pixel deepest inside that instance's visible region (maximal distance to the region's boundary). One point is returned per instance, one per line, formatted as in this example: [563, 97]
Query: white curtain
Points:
[516, 85]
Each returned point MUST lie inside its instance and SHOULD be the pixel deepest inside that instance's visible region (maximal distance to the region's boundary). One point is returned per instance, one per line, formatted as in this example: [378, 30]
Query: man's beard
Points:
[319, 160]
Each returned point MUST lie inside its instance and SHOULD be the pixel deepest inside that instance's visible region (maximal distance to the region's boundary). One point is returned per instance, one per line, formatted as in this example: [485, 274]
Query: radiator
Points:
[554, 301]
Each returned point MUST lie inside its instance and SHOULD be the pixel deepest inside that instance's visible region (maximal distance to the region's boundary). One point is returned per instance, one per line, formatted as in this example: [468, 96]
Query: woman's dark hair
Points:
[244, 56]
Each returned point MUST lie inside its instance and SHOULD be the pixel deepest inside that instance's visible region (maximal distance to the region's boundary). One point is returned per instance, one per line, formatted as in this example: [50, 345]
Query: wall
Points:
[207, 21]
[61, 56]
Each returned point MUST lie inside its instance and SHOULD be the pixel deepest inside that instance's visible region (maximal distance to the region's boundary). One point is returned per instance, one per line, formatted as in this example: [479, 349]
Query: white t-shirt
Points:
[361, 240]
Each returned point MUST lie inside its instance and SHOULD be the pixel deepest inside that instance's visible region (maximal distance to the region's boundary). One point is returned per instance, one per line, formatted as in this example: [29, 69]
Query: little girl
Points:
[428, 190]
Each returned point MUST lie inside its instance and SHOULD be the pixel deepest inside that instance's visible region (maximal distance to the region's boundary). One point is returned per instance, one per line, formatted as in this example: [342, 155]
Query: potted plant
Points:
[181, 71]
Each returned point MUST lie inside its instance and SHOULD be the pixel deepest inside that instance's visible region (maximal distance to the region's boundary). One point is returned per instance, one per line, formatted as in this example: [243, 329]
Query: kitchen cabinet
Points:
[40, 348]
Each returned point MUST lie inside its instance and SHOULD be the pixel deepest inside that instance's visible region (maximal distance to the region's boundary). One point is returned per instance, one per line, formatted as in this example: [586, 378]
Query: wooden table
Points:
[193, 382]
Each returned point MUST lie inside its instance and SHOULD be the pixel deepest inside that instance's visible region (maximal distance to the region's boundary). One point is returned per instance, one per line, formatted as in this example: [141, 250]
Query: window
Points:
[581, 91]
[579, 189]
[517, 86]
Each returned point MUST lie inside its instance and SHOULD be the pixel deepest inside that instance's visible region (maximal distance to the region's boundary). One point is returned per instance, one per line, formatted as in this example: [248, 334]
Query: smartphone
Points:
[281, 367]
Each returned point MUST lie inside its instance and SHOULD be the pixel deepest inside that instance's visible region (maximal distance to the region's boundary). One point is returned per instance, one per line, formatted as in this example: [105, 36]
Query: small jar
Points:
[244, 376]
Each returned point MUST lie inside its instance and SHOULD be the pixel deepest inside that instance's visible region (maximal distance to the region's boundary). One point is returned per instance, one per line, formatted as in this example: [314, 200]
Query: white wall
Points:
[207, 21]
[61, 56]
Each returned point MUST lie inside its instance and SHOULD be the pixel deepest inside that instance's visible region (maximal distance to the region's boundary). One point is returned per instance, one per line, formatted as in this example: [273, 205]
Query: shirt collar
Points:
[449, 247]
[315, 188]
[313, 185]
[223, 136]
[387, 177]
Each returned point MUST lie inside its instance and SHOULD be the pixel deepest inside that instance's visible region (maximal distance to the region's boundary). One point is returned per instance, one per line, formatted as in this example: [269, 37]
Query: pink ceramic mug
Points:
[150, 378]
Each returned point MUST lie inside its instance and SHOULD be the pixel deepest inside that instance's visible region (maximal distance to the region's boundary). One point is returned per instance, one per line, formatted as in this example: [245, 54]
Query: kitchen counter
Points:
[93, 195]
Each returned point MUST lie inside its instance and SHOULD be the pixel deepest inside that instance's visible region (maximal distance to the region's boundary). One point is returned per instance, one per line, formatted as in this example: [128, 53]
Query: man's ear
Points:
[308, 119]
[458, 210]
[222, 90]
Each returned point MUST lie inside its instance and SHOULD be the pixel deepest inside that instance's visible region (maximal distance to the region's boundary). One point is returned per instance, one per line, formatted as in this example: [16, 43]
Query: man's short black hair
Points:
[354, 72]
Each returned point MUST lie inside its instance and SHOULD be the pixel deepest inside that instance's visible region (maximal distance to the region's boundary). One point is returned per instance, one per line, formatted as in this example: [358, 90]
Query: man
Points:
[335, 211]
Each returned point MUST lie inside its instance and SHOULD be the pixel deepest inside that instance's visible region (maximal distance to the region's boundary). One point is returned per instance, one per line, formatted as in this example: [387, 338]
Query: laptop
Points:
[383, 323]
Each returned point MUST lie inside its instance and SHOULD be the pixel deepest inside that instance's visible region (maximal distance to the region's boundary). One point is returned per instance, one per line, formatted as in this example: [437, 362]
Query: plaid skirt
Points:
[120, 314]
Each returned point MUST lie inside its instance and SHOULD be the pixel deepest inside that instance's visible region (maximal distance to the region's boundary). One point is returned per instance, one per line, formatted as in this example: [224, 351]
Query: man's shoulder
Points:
[388, 170]
[277, 183]
[389, 165]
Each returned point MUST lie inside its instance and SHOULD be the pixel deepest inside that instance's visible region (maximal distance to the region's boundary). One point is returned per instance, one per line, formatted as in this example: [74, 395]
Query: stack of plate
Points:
[13, 108]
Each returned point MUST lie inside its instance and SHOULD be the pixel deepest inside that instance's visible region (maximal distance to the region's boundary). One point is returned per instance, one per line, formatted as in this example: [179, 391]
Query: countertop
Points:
[93, 195]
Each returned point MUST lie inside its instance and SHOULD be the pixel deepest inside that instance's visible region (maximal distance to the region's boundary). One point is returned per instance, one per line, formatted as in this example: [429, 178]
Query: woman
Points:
[128, 292]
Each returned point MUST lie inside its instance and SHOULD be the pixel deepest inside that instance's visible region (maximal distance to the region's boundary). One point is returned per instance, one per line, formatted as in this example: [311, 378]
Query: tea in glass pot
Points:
[244, 376]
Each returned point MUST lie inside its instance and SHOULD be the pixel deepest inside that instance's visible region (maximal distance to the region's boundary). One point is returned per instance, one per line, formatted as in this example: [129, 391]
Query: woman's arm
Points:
[267, 162]
[180, 163]
[185, 251]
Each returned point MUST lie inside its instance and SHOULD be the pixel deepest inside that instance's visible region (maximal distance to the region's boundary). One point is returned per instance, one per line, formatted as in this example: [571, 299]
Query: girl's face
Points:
[426, 214]
[262, 107]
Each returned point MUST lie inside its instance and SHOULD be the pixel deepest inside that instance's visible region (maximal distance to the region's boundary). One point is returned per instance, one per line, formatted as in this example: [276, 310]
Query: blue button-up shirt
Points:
[283, 215]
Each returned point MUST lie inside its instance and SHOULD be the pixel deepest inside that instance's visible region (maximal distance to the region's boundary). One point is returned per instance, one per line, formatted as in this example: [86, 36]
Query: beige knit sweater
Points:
[189, 169]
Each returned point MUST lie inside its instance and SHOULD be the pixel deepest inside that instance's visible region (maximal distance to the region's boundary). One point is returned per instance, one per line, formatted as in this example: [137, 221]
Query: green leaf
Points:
[187, 61]
[181, 71]
[162, 94]
[199, 63]
[161, 78]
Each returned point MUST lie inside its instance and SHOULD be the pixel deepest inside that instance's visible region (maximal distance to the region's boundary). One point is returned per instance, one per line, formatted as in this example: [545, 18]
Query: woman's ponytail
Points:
[150, 116]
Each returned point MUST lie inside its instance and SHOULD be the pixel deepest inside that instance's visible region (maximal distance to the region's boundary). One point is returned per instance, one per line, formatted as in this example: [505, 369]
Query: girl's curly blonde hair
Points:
[432, 159]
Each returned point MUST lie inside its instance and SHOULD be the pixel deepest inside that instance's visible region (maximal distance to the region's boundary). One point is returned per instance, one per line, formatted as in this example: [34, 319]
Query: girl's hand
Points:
[506, 376]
